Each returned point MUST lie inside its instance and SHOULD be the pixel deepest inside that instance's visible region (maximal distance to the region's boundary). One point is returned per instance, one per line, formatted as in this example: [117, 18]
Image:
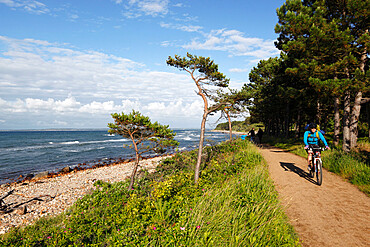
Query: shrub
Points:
[234, 203]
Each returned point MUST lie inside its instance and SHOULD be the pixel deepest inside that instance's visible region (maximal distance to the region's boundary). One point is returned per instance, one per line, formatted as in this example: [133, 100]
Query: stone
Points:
[21, 210]
[29, 176]
[41, 174]
[67, 169]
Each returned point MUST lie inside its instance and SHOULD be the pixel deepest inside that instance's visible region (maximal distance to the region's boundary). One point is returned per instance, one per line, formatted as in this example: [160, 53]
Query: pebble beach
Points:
[52, 196]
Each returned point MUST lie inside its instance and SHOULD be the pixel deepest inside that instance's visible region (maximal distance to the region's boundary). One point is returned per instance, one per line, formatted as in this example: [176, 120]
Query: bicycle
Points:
[316, 168]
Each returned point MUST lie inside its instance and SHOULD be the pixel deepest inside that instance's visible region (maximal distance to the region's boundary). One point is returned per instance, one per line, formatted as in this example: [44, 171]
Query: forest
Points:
[322, 73]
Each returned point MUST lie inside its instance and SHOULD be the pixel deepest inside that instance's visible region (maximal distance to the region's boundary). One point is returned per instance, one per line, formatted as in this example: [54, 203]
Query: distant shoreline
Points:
[233, 132]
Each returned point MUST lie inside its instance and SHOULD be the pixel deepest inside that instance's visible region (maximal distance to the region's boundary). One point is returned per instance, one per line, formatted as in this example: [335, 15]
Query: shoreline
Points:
[72, 168]
[227, 132]
[51, 196]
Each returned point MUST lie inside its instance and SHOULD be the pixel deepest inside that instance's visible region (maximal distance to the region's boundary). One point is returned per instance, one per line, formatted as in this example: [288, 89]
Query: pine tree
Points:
[206, 76]
[145, 136]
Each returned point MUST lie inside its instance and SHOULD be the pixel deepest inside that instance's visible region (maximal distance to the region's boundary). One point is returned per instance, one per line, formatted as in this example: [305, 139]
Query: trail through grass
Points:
[234, 204]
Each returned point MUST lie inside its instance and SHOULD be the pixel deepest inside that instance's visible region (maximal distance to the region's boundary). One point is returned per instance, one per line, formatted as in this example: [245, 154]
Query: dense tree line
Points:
[322, 74]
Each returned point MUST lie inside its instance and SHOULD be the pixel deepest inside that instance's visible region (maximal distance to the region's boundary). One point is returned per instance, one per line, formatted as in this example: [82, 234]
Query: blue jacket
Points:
[310, 138]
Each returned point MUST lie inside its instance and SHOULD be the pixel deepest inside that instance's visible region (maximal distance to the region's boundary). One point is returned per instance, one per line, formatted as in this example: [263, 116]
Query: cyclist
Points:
[311, 138]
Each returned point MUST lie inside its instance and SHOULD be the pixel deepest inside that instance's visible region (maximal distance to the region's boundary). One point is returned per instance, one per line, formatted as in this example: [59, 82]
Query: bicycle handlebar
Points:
[319, 148]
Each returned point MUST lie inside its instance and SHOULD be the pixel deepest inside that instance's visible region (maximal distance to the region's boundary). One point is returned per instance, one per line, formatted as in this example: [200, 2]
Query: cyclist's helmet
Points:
[312, 126]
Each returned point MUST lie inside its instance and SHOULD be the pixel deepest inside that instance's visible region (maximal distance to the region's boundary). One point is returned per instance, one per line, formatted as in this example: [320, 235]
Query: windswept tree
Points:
[145, 135]
[231, 104]
[207, 78]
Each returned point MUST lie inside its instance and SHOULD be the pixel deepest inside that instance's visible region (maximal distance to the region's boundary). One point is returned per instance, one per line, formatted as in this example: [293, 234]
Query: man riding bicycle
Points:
[311, 138]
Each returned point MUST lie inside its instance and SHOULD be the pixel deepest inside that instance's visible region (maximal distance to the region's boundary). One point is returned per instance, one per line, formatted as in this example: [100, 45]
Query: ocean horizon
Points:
[25, 152]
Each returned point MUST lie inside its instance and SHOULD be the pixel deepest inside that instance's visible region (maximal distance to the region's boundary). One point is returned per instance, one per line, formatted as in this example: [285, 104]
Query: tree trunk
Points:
[298, 125]
[355, 115]
[336, 121]
[287, 116]
[318, 113]
[346, 122]
[134, 172]
[368, 117]
[201, 140]
[230, 127]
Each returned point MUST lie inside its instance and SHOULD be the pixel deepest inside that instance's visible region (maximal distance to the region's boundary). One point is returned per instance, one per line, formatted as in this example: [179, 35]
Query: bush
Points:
[234, 203]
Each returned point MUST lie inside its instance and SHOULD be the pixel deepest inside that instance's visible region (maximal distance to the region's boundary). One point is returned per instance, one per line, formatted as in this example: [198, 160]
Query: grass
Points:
[234, 204]
[353, 166]
[240, 126]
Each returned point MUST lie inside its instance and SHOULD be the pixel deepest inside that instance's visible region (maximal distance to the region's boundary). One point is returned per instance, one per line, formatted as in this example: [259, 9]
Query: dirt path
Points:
[333, 214]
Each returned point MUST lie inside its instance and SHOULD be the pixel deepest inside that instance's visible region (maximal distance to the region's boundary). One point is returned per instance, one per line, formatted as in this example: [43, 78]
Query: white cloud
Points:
[73, 17]
[59, 123]
[65, 111]
[30, 6]
[238, 70]
[147, 7]
[48, 80]
[234, 42]
[186, 28]
[32, 105]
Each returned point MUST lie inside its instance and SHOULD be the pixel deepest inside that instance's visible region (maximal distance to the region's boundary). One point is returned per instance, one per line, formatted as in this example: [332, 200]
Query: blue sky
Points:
[71, 63]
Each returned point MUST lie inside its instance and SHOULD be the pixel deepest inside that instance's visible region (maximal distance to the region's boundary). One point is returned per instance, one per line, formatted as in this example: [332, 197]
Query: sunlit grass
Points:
[234, 204]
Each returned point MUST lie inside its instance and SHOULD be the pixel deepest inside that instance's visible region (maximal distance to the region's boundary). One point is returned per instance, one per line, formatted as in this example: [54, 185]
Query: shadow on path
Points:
[291, 167]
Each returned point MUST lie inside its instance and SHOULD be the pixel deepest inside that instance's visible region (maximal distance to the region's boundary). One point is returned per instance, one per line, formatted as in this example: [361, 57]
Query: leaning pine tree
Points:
[231, 104]
[145, 135]
[206, 76]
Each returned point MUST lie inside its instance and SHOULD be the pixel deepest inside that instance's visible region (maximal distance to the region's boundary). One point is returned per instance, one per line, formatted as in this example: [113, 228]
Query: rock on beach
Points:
[59, 193]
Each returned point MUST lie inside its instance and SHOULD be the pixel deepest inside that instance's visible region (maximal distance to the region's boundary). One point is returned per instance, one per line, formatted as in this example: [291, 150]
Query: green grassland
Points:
[234, 204]
[353, 166]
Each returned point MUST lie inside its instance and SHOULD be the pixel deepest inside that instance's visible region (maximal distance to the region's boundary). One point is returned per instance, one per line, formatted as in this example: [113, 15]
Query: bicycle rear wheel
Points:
[312, 171]
[319, 172]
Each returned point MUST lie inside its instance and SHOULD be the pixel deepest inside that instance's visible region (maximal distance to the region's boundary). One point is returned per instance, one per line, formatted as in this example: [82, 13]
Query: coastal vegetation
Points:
[353, 166]
[145, 136]
[234, 203]
[323, 67]
[231, 104]
[322, 74]
[240, 126]
[206, 77]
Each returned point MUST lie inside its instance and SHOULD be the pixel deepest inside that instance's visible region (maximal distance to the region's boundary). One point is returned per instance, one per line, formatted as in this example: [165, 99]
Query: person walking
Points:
[252, 134]
[260, 134]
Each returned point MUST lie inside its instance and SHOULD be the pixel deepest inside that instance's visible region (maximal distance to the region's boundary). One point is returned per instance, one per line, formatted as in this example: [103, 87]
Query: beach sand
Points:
[59, 193]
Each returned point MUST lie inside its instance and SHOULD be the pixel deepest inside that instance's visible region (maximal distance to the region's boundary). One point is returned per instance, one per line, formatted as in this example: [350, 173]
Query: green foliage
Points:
[234, 204]
[324, 56]
[240, 126]
[207, 69]
[349, 167]
[206, 76]
[145, 135]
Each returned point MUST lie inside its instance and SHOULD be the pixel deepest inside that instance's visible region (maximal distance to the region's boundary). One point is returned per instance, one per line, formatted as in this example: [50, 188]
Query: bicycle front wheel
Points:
[319, 172]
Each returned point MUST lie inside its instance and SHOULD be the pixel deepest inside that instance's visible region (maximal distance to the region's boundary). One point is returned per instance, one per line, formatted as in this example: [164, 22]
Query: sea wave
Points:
[58, 144]
[69, 142]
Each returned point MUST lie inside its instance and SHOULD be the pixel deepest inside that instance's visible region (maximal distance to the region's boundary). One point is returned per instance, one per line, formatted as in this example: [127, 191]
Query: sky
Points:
[71, 63]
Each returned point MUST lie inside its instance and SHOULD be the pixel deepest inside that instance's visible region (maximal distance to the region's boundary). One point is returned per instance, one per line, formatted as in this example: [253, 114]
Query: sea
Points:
[30, 152]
